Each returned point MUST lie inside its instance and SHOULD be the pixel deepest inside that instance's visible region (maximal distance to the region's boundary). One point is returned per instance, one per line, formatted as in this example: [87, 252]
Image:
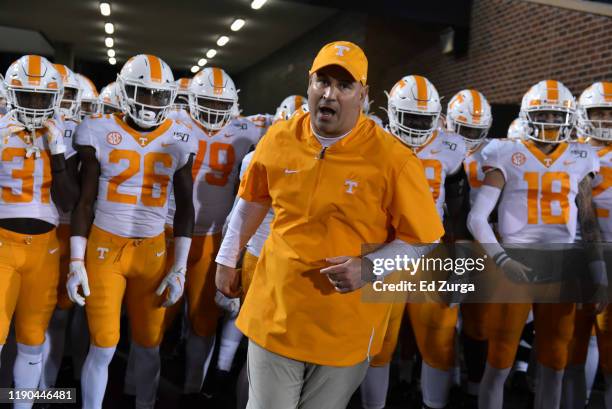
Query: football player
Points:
[594, 122]
[517, 129]
[35, 178]
[55, 335]
[414, 110]
[288, 107]
[180, 108]
[128, 164]
[89, 97]
[222, 143]
[109, 99]
[542, 197]
[469, 114]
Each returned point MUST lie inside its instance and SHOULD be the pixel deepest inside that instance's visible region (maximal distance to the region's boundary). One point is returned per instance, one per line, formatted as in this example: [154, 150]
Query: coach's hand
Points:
[345, 274]
[227, 281]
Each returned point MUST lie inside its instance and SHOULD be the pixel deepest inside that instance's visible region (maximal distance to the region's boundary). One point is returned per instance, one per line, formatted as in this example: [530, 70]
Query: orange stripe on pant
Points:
[554, 327]
[63, 236]
[604, 339]
[118, 266]
[29, 272]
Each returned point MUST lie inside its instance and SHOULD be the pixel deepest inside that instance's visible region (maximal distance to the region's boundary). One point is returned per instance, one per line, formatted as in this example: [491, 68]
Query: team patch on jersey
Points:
[518, 159]
[114, 138]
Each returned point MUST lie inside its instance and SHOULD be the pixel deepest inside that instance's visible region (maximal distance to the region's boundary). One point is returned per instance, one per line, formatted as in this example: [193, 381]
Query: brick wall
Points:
[512, 45]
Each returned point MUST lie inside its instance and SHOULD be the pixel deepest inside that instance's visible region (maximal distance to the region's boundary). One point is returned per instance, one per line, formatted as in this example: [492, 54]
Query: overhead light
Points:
[105, 8]
[109, 42]
[211, 53]
[112, 61]
[237, 24]
[222, 41]
[202, 62]
[256, 4]
[195, 69]
[109, 28]
[110, 52]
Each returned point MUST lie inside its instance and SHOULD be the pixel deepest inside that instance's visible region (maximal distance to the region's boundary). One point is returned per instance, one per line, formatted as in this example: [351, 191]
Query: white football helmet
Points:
[71, 100]
[598, 95]
[146, 90]
[109, 99]
[552, 97]
[517, 129]
[413, 99]
[212, 96]
[89, 97]
[34, 90]
[288, 107]
[182, 94]
[469, 114]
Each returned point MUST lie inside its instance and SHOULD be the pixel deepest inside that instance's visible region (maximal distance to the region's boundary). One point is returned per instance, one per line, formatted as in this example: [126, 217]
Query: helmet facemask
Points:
[549, 124]
[212, 113]
[412, 127]
[181, 101]
[147, 106]
[70, 103]
[596, 122]
[33, 106]
[472, 134]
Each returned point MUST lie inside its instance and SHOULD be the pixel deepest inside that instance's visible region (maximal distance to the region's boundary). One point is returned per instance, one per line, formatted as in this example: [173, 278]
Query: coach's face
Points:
[334, 100]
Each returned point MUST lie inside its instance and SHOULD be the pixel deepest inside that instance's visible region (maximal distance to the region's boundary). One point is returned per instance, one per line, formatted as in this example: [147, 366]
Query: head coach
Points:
[335, 181]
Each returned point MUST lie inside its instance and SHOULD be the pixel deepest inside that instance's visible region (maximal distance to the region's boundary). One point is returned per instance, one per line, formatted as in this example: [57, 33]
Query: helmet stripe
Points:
[607, 91]
[34, 69]
[155, 67]
[217, 80]
[61, 68]
[298, 101]
[477, 105]
[552, 90]
[422, 96]
[92, 85]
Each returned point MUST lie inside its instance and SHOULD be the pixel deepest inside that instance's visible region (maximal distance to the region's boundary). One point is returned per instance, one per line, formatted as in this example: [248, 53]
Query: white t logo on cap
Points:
[341, 49]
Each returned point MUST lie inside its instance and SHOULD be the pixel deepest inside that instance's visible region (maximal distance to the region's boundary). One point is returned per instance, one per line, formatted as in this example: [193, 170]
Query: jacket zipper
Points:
[319, 165]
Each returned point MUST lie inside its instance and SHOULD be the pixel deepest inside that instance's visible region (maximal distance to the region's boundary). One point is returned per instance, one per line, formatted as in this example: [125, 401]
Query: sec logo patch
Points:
[114, 138]
[518, 159]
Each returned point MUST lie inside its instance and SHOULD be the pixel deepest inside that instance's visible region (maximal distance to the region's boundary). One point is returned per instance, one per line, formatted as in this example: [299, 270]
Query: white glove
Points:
[175, 282]
[55, 137]
[77, 277]
[32, 150]
[229, 305]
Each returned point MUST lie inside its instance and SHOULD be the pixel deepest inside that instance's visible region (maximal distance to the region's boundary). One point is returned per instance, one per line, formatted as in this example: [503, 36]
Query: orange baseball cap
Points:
[345, 54]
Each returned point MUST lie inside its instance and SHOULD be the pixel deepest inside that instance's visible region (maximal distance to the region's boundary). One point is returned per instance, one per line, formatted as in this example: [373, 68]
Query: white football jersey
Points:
[472, 164]
[179, 115]
[258, 239]
[215, 172]
[538, 202]
[261, 122]
[136, 171]
[70, 126]
[26, 182]
[440, 157]
[602, 194]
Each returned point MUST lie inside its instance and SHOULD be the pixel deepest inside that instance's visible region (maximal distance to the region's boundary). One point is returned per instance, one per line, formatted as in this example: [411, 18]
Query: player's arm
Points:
[478, 224]
[184, 215]
[591, 234]
[82, 218]
[457, 205]
[64, 188]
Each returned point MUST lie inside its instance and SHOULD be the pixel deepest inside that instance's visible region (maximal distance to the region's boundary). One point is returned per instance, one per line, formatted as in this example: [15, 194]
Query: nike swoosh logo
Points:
[568, 162]
[34, 363]
[165, 145]
[434, 151]
[288, 171]
[161, 253]
[53, 250]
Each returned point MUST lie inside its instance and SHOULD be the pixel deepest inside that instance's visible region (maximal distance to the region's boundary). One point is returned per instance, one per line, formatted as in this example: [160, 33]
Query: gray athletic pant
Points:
[276, 382]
